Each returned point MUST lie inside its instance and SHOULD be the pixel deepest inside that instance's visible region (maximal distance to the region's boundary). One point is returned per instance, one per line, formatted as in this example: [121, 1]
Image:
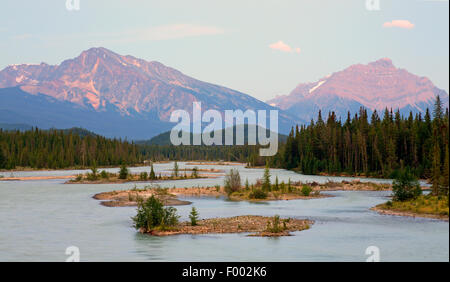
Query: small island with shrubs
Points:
[408, 199]
[154, 219]
[124, 175]
[232, 190]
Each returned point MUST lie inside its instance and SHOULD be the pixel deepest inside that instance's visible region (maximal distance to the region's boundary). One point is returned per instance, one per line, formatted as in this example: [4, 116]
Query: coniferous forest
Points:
[371, 146]
[62, 149]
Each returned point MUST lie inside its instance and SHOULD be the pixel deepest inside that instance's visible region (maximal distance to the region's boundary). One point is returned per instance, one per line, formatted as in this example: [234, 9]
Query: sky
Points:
[263, 48]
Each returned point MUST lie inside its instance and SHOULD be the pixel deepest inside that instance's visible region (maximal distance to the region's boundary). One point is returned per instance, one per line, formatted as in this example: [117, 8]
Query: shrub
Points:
[405, 186]
[143, 176]
[151, 214]
[257, 194]
[123, 173]
[232, 181]
[194, 172]
[104, 174]
[306, 190]
[94, 173]
[193, 216]
[275, 226]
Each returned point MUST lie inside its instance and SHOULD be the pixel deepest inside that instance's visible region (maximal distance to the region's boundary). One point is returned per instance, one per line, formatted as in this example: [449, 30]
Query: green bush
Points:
[194, 172]
[123, 173]
[151, 214]
[306, 190]
[257, 194]
[104, 174]
[405, 186]
[143, 176]
[275, 227]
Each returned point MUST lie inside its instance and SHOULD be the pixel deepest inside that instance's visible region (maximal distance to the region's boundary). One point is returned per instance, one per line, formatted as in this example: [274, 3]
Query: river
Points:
[40, 219]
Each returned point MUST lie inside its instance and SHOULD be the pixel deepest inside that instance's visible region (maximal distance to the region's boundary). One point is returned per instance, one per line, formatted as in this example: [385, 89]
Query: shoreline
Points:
[408, 214]
[257, 226]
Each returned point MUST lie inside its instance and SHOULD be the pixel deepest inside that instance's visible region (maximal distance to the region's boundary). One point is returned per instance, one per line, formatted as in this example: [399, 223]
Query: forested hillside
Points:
[372, 146]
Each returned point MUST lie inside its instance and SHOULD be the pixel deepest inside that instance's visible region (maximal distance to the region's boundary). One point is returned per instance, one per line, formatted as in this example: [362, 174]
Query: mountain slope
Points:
[375, 86]
[101, 81]
[164, 138]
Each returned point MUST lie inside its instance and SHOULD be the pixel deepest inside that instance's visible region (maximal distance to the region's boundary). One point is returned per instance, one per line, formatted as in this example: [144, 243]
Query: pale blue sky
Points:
[227, 42]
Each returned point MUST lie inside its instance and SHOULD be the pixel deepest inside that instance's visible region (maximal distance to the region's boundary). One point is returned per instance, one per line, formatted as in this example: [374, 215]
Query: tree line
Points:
[62, 149]
[378, 147]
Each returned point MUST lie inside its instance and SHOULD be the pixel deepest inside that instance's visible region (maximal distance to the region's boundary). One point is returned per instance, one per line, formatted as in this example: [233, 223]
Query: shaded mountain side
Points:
[47, 112]
[164, 138]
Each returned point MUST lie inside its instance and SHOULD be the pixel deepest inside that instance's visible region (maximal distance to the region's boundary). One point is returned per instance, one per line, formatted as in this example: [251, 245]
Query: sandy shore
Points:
[257, 225]
[36, 177]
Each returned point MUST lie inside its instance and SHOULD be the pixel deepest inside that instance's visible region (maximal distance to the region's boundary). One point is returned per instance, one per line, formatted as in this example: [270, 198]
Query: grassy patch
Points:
[427, 205]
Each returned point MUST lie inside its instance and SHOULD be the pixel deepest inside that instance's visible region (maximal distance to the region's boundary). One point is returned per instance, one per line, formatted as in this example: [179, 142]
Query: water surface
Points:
[40, 219]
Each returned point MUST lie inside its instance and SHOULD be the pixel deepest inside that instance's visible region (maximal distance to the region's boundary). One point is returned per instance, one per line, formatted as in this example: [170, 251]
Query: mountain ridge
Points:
[101, 81]
[375, 86]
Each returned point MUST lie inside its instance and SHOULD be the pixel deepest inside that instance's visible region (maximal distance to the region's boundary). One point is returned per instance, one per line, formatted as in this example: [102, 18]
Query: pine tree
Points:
[193, 216]
[123, 172]
[175, 169]
[152, 172]
[266, 185]
[445, 174]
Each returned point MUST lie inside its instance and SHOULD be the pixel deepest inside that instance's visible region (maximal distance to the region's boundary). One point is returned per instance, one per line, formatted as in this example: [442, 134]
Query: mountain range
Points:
[123, 96]
[375, 86]
[111, 94]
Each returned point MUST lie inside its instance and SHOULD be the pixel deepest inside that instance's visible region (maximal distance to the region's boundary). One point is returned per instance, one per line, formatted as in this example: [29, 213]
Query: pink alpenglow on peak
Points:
[375, 86]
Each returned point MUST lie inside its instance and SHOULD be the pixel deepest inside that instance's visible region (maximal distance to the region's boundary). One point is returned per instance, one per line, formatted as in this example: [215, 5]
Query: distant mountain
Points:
[15, 126]
[25, 127]
[164, 138]
[114, 95]
[375, 86]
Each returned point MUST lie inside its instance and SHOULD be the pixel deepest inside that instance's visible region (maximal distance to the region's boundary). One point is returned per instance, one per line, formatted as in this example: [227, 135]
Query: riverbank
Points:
[424, 206]
[36, 178]
[257, 225]
[355, 185]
